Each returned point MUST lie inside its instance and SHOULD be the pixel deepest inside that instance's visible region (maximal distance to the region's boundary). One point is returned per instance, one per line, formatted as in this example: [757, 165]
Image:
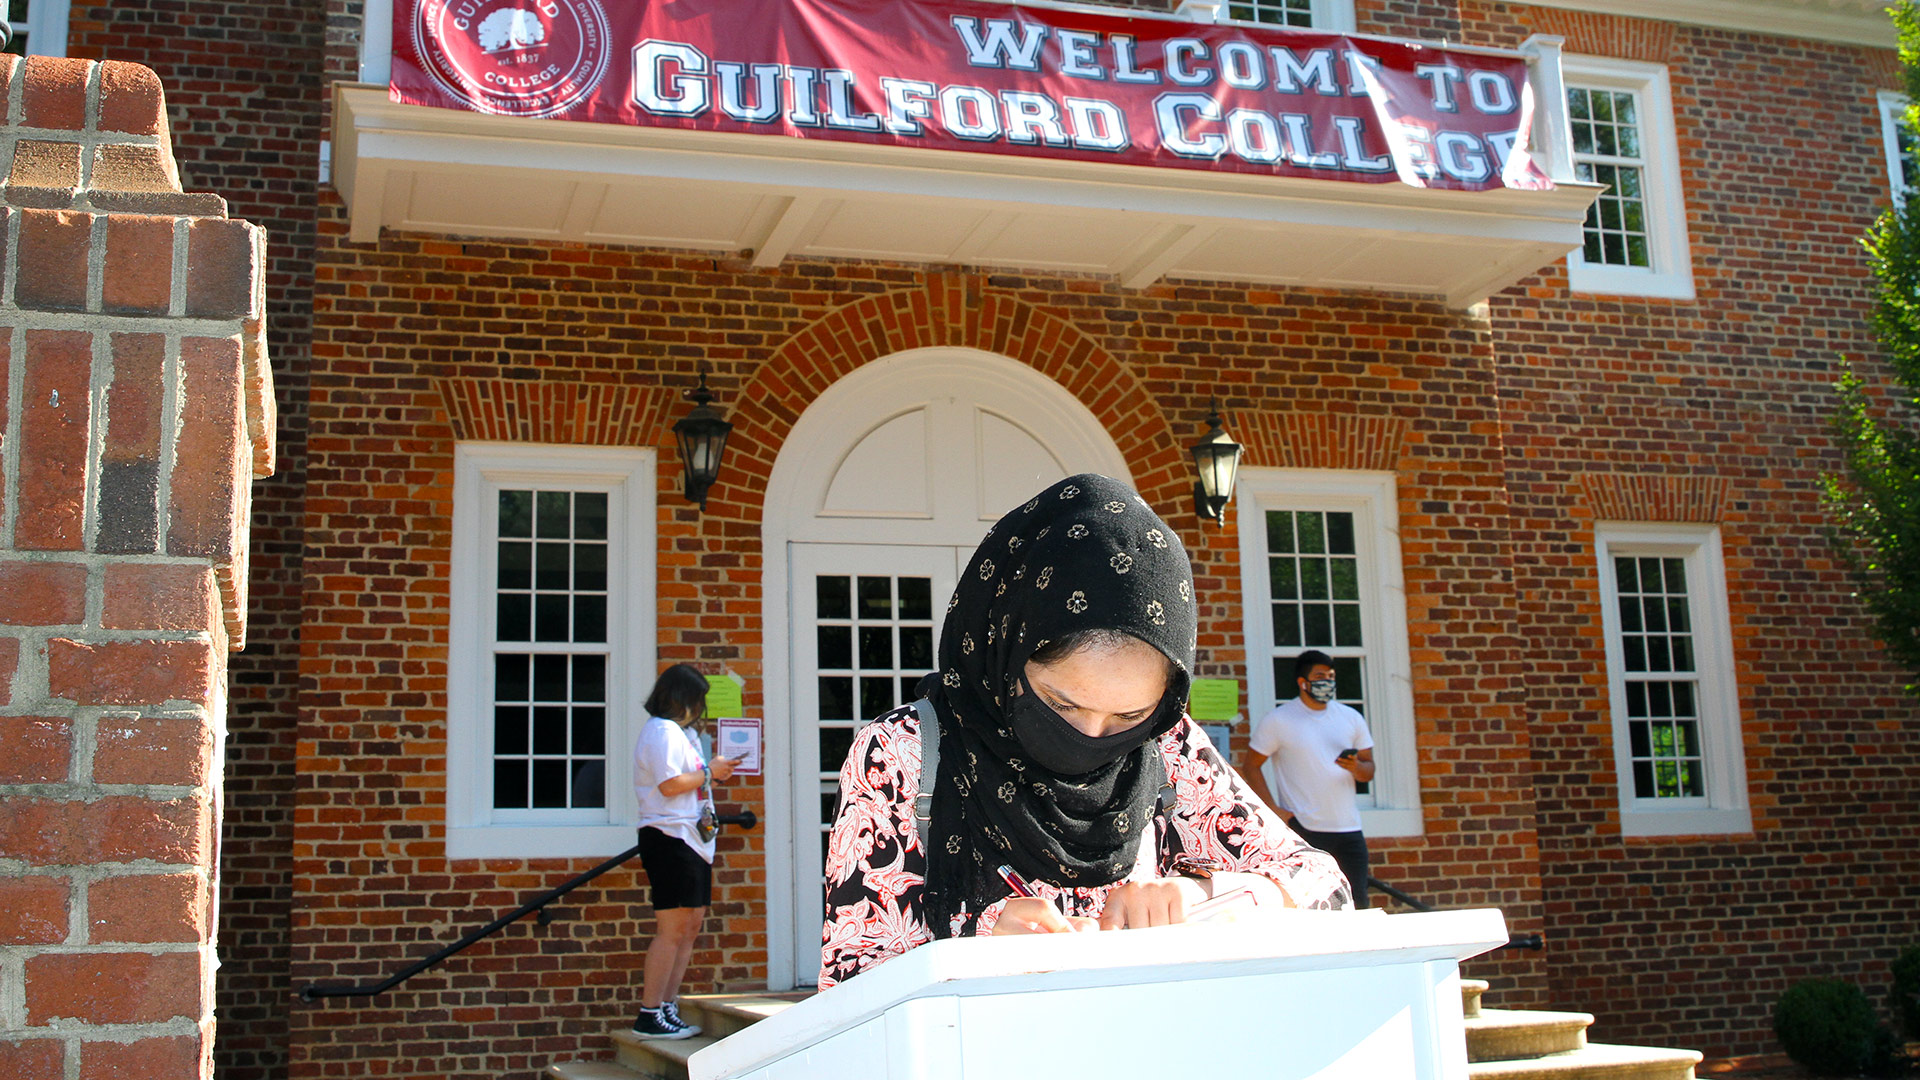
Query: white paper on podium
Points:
[1302, 995]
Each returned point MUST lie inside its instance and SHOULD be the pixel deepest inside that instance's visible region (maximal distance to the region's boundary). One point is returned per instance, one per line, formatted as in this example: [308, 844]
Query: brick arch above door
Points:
[954, 311]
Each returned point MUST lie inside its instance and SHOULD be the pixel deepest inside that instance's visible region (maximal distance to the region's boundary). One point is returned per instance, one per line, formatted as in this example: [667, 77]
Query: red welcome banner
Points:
[986, 78]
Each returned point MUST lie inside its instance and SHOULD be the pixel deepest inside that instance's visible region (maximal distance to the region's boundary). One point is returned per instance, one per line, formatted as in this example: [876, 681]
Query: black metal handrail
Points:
[745, 820]
[1534, 942]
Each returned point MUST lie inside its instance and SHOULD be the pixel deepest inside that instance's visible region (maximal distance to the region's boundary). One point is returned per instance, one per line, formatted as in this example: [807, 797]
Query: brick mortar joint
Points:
[99, 380]
[112, 948]
[83, 634]
[108, 322]
[89, 792]
[14, 404]
[90, 872]
[18, 133]
[74, 1032]
[104, 559]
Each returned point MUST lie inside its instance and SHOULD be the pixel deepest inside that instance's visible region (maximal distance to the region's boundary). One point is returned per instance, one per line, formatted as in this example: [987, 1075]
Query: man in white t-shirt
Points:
[1321, 751]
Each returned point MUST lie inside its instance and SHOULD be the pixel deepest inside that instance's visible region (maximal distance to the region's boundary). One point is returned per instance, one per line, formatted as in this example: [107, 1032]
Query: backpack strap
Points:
[929, 768]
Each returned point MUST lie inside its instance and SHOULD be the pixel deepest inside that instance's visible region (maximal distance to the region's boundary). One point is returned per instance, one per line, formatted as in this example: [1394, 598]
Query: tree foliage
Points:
[1874, 503]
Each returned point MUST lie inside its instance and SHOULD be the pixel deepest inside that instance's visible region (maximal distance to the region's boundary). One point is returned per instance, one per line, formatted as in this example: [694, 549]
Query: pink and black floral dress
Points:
[876, 870]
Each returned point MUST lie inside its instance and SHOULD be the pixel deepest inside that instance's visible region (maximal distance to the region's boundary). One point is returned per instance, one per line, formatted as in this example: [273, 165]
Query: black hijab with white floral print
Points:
[1085, 554]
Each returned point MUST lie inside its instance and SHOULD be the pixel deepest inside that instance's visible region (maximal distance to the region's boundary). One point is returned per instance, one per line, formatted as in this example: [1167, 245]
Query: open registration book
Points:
[1287, 994]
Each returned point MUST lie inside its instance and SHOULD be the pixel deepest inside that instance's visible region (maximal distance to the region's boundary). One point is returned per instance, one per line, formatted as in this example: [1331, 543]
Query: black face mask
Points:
[1061, 748]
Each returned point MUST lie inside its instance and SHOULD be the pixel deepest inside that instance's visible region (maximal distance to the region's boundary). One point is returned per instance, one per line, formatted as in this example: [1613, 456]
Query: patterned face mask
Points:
[1320, 690]
[1062, 748]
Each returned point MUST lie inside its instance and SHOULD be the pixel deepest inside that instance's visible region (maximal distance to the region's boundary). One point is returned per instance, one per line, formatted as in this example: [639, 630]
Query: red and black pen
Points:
[1017, 883]
[1020, 888]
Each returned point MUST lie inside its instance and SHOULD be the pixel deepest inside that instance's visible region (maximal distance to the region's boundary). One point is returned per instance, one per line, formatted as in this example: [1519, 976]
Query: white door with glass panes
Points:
[881, 491]
[866, 621]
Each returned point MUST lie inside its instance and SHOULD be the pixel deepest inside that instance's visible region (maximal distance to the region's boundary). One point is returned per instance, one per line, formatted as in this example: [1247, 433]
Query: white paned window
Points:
[1320, 566]
[39, 27]
[1620, 115]
[1902, 147]
[552, 647]
[1676, 715]
[1335, 15]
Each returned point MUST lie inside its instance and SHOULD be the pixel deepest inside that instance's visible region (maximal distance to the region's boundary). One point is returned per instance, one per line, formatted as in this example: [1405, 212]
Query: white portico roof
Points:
[451, 172]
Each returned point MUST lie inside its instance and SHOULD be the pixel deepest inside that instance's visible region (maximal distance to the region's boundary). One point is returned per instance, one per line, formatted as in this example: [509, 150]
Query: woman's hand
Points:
[1031, 915]
[1158, 902]
[722, 768]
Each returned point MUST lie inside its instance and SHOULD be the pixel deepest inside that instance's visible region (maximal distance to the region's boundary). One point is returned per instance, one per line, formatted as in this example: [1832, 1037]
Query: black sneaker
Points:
[672, 1011]
[659, 1024]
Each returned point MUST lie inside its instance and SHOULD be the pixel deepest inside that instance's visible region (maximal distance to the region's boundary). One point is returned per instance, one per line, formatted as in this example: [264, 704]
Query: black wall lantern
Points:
[703, 438]
[1216, 458]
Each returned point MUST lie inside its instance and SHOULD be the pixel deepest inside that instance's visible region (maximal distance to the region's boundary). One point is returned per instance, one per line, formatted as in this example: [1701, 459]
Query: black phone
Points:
[1349, 752]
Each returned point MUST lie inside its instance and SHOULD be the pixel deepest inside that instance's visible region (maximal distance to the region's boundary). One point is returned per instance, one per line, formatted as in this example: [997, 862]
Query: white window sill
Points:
[1380, 823]
[1627, 281]
[538, 841]
[1685, 822]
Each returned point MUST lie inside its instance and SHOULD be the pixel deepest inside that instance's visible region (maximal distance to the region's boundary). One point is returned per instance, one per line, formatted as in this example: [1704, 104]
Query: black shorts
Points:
[680, 877]
[1349, 849]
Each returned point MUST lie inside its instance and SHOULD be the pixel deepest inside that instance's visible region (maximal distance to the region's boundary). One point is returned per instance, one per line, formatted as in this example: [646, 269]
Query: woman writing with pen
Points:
[1065, 755]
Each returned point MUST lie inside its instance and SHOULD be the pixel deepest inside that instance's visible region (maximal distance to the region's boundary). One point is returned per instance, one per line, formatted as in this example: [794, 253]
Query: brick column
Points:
[135, 408]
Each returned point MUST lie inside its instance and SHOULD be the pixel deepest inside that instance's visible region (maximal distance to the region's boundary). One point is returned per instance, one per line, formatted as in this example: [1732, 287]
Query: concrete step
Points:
[721, 1015]
[1506, 1034]
[1470, 991]
[657, 1059]
[717, 1015]
[1594, 1061]
[591, 1070]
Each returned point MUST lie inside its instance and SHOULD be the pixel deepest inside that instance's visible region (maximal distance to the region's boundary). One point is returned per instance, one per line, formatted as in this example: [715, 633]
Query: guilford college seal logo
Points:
[513, 57]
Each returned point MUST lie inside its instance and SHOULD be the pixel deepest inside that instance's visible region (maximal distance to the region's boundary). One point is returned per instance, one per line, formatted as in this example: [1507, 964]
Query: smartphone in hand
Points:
[1347, 753]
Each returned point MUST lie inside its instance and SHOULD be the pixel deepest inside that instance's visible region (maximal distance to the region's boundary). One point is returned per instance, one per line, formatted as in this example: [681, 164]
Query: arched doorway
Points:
[879, 494]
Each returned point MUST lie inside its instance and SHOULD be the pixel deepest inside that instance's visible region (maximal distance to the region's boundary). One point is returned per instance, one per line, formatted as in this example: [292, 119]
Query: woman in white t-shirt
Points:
[674, 786]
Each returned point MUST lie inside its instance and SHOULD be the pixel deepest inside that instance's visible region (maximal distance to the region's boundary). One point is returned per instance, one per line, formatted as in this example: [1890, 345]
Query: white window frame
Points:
[45, 27]
[474, 829]
[1671, 275]
[376, 41]
[1723, 809]
[1329, 16]
[1373, 500]
[1893, 110]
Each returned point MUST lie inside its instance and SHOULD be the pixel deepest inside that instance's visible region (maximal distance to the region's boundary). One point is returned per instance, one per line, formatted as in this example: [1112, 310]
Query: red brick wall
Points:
[1726, 394]
[1426, 20]
[135, 408]
[1657, 411]
[247, 113]
[618, 325]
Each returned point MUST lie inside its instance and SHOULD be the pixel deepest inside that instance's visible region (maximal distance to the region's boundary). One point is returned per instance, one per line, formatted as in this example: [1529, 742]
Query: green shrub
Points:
[1829, 1026]
[1906, 990]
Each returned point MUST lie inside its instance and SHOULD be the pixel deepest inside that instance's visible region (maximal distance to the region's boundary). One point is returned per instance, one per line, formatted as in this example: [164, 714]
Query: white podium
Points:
[1293, 995]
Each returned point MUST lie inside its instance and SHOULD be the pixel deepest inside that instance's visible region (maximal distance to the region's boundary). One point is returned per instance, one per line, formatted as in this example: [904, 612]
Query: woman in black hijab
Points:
[1061, 707]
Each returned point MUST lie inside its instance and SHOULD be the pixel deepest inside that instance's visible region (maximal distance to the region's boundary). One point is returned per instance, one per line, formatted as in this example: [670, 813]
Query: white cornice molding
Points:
[460, 173]
[1849, 22]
